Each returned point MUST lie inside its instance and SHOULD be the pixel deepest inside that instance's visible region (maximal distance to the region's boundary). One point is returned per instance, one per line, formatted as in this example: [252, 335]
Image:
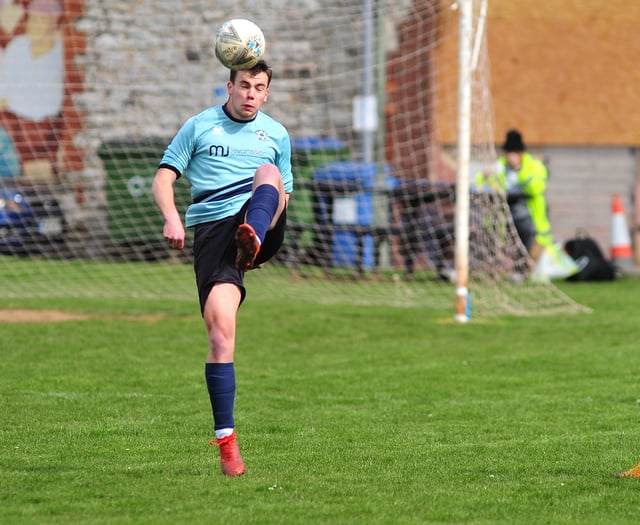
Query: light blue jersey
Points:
[219, 156]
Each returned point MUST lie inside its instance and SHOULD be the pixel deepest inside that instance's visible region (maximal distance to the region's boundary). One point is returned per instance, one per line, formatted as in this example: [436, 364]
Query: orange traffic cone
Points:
[621, 252]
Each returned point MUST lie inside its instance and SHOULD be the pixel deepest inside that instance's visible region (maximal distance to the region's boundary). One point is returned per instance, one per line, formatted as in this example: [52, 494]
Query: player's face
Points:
[247, 94]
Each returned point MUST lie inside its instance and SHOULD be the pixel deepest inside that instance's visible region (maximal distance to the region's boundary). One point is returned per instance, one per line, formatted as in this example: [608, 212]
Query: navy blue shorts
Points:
[214, 252]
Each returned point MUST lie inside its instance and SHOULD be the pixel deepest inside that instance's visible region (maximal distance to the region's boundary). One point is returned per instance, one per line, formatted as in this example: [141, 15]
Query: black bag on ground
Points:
[590, 259]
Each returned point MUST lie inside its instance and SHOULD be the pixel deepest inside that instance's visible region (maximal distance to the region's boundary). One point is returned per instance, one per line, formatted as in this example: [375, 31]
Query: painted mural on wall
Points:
[33, 89]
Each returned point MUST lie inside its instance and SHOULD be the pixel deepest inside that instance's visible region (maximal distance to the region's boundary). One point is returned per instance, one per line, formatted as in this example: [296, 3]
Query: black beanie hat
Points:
[513, 141]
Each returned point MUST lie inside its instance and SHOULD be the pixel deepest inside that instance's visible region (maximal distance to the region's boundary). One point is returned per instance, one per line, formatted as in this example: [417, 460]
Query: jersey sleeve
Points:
[284, 163]
[179, 151]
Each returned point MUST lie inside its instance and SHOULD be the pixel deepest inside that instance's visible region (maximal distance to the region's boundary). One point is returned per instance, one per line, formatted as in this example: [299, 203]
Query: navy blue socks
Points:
[262, 208]
[221, 383]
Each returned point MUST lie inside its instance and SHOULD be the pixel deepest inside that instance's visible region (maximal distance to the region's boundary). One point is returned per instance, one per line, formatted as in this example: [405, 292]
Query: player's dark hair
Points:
[260, 67]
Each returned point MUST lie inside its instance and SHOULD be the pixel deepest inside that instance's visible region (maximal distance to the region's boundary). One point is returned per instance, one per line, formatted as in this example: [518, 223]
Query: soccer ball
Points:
[239, 44]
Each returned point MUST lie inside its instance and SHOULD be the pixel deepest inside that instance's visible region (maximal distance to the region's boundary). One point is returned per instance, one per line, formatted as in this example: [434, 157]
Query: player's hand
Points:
[174, 234]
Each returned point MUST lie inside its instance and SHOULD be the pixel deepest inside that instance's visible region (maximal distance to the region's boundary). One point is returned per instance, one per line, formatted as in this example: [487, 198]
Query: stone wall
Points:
[148, 65]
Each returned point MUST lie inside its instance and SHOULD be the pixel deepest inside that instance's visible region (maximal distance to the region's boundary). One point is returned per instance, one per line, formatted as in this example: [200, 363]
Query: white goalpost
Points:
[388, 105]
[463, 298]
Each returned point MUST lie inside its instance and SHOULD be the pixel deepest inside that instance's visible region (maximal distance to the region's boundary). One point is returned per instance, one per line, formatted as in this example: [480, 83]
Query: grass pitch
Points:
[363, 415]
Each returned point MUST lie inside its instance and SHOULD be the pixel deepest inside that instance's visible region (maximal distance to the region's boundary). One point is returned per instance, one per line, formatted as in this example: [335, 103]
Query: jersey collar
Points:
[224, 108]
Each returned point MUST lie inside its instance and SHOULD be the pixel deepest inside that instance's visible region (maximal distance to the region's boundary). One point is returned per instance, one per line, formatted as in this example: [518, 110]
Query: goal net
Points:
[92, 91]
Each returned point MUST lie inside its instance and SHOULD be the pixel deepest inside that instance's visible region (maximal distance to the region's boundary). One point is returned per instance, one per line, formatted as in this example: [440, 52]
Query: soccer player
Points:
[238, 160]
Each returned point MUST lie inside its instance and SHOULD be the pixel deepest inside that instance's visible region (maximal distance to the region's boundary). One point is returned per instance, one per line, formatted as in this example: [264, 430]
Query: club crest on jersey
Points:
[261, 134]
